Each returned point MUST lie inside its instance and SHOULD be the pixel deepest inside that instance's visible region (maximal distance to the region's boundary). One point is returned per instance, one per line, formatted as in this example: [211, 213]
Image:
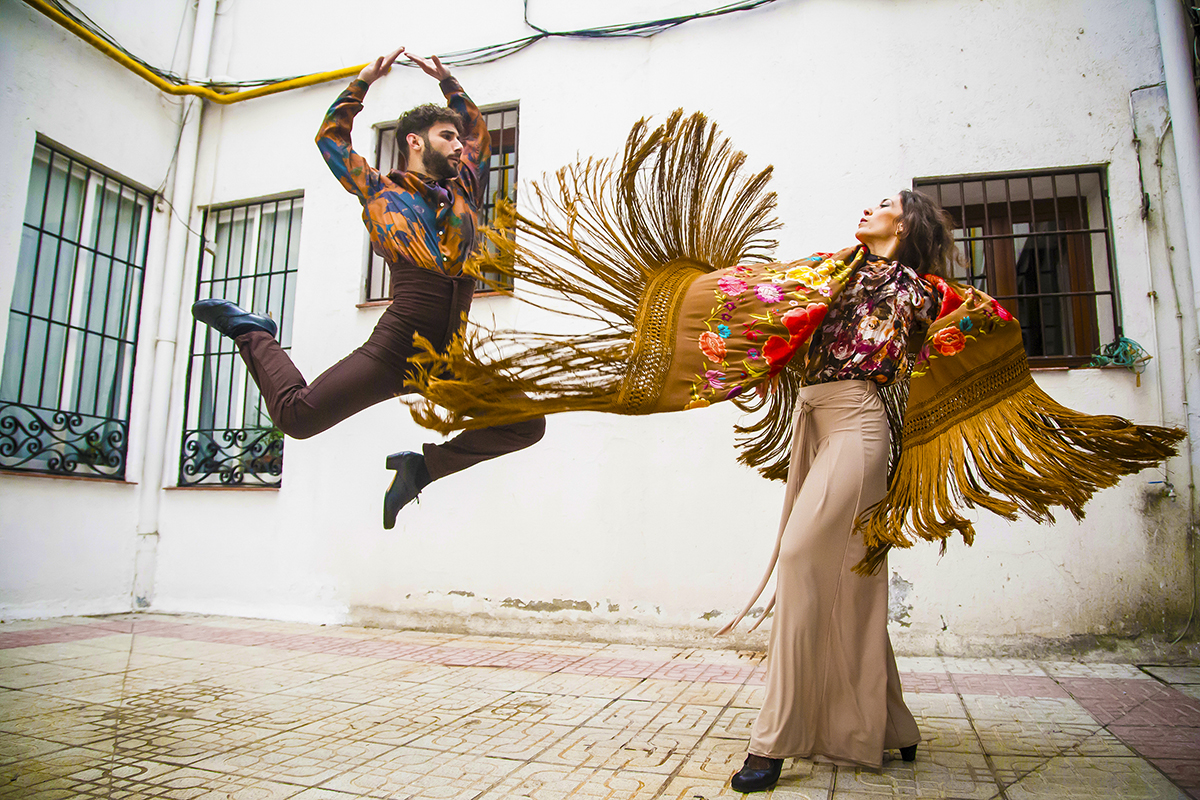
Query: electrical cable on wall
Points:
[458, 58]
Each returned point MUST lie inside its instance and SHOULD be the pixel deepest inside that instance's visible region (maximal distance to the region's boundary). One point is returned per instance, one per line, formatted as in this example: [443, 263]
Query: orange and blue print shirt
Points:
[412, 220]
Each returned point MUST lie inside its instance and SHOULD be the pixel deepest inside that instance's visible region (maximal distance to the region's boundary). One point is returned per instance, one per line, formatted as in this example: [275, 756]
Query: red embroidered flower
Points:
[777, 351]
[1001, 312]
[713, 346]
[949, 341]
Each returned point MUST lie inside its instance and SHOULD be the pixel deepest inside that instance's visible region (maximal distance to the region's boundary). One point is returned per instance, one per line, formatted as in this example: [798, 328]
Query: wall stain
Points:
[899, 607]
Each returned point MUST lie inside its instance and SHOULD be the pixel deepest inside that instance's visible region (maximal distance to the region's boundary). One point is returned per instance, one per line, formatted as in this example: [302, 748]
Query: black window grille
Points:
[248, 254]
[499, 176]
[1040, 243]
[73, 323]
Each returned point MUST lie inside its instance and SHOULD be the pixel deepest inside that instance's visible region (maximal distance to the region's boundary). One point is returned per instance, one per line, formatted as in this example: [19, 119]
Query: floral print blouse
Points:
[866, 333]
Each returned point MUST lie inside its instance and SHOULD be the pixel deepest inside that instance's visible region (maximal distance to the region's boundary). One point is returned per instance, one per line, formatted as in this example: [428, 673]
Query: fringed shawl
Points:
[620, 245]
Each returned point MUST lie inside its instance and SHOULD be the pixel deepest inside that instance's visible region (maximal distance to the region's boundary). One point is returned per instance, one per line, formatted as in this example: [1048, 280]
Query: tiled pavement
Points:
[153, 706]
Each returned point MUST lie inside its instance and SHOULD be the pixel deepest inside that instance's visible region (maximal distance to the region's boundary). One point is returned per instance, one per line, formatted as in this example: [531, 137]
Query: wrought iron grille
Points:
[499, 177]
[1040, 243]
[248, 254]
[73, 323]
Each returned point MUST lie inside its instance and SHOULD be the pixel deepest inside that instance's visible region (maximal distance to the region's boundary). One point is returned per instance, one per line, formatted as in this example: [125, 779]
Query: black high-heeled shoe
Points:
[756, 779]
[909, 753]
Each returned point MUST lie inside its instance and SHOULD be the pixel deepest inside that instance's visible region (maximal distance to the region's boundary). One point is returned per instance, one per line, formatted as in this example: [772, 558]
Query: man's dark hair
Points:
[420, 119]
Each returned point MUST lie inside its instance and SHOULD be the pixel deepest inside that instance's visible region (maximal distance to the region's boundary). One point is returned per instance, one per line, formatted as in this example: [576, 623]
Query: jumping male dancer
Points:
[422, 220]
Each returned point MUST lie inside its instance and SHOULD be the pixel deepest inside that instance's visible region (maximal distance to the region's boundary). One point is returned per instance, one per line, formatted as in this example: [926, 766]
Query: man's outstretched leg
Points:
[298, 408]
[415, 471]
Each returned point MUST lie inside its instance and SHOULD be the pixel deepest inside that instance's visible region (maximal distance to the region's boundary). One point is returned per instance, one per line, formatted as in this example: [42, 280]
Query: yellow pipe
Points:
[171, 88]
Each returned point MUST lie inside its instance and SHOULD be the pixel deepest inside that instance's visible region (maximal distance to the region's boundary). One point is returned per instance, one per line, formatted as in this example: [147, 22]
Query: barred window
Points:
[73, 323]
[1040, 243]
[499, 177]
[248, 255]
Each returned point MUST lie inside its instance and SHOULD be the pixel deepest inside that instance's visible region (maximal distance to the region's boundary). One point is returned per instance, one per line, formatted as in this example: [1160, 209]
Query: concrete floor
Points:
[153, 706]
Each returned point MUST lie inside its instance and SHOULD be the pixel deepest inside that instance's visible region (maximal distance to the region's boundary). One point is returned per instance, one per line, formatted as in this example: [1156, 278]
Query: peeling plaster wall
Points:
[646, 527]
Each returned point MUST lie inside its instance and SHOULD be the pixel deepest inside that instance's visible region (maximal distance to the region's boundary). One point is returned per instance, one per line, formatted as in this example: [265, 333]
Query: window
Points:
[1039, 243]
[248, 255]
[73, 323]
[499, 178]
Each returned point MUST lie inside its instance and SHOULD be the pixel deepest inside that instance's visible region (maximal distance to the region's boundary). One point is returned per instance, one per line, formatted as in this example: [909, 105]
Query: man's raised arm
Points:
[353, 171]
[477, 144]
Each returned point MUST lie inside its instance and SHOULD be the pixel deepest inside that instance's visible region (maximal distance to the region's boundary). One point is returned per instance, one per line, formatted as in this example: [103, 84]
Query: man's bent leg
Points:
[471, 447]
[300, 409]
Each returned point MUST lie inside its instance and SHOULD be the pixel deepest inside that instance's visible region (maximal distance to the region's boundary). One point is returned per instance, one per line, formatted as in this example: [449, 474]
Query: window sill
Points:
[221, 487]
[88, 478]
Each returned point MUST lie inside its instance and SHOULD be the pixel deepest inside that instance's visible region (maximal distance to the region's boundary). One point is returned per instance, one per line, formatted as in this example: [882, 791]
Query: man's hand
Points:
[382, 66]
[433, 67]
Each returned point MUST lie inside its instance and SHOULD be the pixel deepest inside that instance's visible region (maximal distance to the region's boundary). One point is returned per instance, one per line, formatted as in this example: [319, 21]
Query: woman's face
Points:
[881, 223]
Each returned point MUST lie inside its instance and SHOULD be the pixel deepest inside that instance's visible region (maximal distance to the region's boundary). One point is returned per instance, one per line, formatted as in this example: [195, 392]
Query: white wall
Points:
[66, 546]
[650, 520]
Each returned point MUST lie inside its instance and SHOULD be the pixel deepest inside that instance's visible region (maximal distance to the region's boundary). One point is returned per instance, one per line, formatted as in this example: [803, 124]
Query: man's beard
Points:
[438, 166]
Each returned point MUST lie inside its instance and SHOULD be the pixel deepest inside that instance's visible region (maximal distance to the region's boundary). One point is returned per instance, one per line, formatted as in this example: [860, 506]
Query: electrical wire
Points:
[458, 58]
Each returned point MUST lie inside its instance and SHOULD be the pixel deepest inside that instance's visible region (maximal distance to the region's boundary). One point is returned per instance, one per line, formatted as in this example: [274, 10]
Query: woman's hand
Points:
[432, 67]
[380, 67]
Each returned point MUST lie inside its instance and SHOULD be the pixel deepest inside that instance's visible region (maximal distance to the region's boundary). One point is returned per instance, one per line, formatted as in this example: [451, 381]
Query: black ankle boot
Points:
[230, 320]
[757, 778]
[909, 753]
[411, 477]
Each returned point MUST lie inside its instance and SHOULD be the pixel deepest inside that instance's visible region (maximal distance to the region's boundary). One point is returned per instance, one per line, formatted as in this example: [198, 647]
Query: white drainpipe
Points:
[1181, 99]
[155, 470]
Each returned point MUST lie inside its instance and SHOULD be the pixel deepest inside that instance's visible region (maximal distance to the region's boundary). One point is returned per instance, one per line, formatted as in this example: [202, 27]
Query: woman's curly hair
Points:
[927, 238]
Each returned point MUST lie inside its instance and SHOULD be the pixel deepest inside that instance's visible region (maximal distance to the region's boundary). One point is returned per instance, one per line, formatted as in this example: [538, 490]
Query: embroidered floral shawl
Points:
[664, 250]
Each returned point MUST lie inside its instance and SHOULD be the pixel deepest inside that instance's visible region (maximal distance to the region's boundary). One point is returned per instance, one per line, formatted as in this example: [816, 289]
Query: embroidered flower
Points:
[715, 378]
[1001, 312]
[753, 353]
[805, 275]
[723, 331]
[768, 293]
[712, 346]
[698, 402]
[949, 341]
[965, 324]
[731, 286]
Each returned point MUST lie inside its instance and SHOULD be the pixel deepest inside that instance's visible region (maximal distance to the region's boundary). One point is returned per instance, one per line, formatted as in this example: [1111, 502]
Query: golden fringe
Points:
[766, 443]
[1024, 454]
[600, 231]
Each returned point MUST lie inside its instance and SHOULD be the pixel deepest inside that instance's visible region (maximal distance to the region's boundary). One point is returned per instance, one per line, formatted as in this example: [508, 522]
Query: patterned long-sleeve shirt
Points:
[412, 219]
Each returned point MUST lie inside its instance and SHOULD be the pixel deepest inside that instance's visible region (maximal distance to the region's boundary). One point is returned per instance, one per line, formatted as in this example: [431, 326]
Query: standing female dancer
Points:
[665, 250]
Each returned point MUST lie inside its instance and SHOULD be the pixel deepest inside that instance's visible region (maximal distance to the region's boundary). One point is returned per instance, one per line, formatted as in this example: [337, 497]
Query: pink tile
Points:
[1160, 742]
[57, 635]
[1185, 773]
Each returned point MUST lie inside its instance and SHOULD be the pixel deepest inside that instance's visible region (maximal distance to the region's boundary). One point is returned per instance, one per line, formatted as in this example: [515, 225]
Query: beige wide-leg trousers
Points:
[832, 689]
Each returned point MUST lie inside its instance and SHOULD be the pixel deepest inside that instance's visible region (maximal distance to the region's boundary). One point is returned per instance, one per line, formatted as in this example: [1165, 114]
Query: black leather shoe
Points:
[405, 486]
[757, 779]
[229, 320]
[909, 753]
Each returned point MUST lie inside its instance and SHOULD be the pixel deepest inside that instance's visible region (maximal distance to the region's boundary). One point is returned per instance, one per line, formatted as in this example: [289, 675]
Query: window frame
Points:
[375, 271]
[246, 455]
[996, 220]
[61, 437]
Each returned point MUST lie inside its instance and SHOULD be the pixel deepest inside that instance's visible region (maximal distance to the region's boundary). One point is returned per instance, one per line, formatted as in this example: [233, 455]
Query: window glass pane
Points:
[1039, 243]
[67, 374]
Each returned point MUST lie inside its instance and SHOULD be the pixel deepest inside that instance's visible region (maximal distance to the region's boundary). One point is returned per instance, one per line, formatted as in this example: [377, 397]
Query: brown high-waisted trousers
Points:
[423, 302]
[832, 689]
